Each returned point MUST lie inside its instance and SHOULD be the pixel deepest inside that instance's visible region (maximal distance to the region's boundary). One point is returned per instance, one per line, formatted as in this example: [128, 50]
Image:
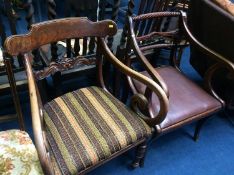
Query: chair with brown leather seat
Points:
[80, 130]
[139, 7]
[188, 102]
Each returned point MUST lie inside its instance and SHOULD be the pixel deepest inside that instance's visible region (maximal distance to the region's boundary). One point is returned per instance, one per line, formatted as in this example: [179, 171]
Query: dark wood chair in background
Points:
[78, 131]
[187, 101]
[13, 77]
[10, 67]
[142, 28]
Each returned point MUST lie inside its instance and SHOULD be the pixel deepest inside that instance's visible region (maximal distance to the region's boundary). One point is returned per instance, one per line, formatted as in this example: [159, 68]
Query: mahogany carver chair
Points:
[78, 131]
[188, 102]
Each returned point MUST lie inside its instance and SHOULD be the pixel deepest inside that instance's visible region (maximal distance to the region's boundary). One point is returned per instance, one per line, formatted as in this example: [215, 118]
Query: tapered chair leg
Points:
[140, 156]
[199, 125]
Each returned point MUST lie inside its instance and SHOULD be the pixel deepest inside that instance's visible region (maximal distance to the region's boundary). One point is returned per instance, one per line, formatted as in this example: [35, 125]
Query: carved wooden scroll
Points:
[63, 65]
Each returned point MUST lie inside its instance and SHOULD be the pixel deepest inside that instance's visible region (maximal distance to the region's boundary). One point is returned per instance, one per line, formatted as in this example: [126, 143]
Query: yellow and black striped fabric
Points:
[89, 125]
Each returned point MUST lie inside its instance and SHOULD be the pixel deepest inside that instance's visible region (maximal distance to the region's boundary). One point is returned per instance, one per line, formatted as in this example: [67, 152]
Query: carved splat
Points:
[63, 65]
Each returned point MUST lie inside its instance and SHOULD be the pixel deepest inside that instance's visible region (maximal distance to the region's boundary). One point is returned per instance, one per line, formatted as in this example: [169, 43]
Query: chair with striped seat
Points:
[94, 121]
[82, 129]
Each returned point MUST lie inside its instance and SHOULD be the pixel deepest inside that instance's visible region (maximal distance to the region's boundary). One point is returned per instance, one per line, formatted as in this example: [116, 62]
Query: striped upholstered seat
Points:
[89, 125]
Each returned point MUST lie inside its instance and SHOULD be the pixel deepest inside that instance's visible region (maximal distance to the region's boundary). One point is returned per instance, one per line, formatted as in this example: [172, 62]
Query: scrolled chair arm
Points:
[139, 103]
[222, 62]
[151, 84]
[133, 42]
[208, 82]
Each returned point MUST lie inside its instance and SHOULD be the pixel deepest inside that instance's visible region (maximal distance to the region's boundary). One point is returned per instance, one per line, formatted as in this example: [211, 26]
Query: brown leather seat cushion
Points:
[187, 101]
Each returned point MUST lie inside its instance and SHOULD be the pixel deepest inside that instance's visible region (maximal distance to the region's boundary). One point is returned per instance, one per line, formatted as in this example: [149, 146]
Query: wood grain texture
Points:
[45, 33]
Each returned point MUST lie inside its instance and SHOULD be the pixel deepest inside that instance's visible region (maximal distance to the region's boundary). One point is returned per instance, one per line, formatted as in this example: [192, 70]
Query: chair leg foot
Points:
[140, 156]
[199, 125]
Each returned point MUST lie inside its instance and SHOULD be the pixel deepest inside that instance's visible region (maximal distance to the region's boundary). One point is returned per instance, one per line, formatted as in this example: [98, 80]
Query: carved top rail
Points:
[45, 33]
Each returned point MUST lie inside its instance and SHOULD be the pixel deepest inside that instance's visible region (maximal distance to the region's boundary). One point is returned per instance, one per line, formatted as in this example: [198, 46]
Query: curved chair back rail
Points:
[60, 29]
[155, 15]
[55, 30]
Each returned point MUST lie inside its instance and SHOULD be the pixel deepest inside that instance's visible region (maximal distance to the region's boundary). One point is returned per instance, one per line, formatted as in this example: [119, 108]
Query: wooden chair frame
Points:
[54, 30]
[132, 43]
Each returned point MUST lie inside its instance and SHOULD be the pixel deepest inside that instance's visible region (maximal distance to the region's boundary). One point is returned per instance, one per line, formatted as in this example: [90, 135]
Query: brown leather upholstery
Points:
[186, 102]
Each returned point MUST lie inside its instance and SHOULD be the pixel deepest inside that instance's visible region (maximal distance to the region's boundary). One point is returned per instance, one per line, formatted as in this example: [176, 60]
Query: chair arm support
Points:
[153, 73]
[209, 52]
[151, 84]
[221, 61]
[37, 114]
[208, 82]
